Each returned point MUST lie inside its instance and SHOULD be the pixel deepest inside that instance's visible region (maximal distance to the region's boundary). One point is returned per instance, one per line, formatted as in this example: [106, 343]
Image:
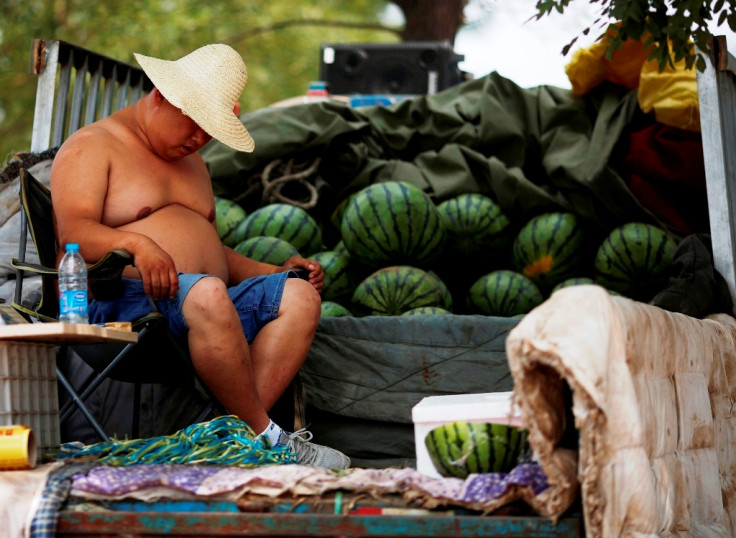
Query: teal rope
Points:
[226, 440]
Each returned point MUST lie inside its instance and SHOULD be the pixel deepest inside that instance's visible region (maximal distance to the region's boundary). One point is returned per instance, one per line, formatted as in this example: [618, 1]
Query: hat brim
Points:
[206, 108]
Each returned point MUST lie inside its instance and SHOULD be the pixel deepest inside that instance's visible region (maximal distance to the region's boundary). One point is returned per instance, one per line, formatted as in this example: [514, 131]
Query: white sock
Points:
[273, 431]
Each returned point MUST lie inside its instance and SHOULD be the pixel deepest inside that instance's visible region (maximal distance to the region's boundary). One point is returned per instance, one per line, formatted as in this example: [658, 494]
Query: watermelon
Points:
[503, 293]
[549, 248]
[285, 221]
[426, 310]
[333, 309]
[458, 449]
[475, 225]
[633, 260]
[393, 290]
[266, 249]
[338, 282]
[393, 223]
[228, 215]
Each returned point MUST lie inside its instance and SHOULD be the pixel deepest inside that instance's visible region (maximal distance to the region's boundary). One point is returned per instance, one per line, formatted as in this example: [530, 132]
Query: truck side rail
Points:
[717, 100]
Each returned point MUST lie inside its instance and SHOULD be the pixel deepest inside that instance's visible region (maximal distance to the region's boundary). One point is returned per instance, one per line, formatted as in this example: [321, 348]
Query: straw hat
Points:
[205, 84]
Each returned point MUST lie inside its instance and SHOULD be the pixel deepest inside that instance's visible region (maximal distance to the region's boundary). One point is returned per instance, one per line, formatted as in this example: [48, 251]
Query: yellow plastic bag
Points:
[589, 67]
[672, 94]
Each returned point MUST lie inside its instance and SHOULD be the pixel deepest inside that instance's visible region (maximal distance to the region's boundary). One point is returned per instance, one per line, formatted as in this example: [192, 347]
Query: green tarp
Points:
[529, 149]
[363, 376]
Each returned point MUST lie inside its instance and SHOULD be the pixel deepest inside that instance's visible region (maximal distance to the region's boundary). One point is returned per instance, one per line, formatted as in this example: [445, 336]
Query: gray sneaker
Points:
[311, 453]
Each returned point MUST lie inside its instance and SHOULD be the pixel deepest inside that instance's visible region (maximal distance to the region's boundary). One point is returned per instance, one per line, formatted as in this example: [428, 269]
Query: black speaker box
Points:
[417, 67]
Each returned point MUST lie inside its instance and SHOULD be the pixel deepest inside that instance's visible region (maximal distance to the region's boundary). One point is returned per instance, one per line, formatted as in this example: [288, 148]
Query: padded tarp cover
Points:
[531, 150]
[652, 399]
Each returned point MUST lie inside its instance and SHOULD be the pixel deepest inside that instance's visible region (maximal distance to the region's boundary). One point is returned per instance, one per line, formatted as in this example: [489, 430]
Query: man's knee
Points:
[300, 296]
[207, 297]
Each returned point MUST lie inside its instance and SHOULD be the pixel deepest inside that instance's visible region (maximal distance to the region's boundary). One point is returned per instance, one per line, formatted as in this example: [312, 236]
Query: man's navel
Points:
[143, 213]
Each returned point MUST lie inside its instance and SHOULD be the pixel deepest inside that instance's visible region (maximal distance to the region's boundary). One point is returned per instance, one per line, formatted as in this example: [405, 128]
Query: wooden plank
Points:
[65, 332]
[98, 523]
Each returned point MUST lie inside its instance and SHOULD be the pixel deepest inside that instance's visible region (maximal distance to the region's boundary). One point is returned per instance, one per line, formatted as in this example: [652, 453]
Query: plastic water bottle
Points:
[73, 286]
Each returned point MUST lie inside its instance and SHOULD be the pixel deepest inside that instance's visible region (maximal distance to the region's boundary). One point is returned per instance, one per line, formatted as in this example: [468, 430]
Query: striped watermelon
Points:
[393, 223]
[266, 249]
[475, 224]
[549, 248]
[331, 309]
[633, 260]
[339, 212]
[285, 221]
[426, 310]
[393, 290]
[340, 247]
[503, 293]
[228, 215]
[458, 449]
[338, 282]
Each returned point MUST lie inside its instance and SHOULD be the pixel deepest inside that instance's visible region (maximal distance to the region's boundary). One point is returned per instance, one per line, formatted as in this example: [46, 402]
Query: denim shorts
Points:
[256, 300]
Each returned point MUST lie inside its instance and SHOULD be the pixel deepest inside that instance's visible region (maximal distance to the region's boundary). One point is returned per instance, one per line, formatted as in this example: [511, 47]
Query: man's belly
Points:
[187, 236]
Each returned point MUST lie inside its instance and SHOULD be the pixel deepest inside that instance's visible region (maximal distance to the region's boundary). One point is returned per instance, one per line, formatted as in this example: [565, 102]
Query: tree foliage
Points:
[670, 29]
[279, 39]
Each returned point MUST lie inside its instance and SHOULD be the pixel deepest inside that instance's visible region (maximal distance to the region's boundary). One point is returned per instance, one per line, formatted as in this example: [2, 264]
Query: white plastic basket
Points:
[28, 390]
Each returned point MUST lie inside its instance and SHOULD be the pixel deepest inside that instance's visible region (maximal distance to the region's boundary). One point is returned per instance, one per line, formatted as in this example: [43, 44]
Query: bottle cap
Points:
[72, 247]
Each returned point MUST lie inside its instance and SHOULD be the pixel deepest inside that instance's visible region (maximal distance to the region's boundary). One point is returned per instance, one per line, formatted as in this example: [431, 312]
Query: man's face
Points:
[180, 136]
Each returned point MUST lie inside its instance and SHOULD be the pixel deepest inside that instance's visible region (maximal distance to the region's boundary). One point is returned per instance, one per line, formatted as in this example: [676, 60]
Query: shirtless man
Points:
[135, 181]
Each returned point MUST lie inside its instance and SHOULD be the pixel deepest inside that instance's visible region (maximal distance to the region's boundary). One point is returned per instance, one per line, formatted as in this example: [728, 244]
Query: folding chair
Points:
[158, 357]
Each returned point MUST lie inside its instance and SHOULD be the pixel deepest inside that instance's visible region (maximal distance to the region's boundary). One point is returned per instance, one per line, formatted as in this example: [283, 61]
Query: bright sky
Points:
[528, 52]
[499, 38]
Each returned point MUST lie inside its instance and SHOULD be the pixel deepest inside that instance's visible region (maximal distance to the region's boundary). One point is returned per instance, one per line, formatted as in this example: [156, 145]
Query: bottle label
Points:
[73, 302]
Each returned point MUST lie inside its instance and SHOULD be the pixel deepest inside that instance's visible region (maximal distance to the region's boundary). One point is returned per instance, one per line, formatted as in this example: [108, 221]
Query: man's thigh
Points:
[257, 301]
[131, 305]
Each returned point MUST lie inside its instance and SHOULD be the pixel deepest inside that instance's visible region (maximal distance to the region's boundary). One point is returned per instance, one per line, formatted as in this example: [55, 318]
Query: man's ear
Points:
[236, 108]
[158, 97]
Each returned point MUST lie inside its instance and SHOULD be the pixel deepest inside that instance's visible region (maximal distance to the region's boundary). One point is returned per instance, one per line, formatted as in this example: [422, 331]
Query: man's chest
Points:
[136, 191]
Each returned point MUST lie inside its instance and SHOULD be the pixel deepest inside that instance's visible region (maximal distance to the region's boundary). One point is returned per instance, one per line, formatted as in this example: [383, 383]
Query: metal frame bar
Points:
[717, 101]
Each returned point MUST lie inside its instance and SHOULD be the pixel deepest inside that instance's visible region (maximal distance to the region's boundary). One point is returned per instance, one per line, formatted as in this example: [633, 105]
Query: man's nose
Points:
[201, 137]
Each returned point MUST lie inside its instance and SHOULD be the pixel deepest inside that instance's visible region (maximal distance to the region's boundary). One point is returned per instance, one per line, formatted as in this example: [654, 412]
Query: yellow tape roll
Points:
[17, 447]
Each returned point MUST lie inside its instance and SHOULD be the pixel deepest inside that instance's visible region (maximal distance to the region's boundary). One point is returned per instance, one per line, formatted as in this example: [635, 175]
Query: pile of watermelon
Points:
[395, 251]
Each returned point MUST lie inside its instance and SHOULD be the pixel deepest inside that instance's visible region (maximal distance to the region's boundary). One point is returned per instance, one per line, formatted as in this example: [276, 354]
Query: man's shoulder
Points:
[104, 131]
[93, 145]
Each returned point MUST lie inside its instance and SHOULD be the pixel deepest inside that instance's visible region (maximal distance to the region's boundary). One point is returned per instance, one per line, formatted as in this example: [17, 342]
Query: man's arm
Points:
[241, 267]
[79, 185]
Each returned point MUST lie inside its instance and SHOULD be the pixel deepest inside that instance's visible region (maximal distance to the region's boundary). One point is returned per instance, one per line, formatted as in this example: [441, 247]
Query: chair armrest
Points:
[110, 266]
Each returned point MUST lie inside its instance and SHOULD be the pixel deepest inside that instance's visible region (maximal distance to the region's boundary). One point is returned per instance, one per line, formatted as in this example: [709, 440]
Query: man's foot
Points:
[311, 453]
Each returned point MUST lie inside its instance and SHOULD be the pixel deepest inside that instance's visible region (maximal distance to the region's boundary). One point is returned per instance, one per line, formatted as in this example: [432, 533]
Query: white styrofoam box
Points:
[434, 411]
[28, 390]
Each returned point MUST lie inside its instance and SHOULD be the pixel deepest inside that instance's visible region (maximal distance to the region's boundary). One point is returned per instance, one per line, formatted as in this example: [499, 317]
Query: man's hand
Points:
[158, 272]
[316, 276]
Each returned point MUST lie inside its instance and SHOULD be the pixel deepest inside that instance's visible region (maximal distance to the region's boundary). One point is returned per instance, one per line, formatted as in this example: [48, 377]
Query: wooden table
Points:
[65, 333]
